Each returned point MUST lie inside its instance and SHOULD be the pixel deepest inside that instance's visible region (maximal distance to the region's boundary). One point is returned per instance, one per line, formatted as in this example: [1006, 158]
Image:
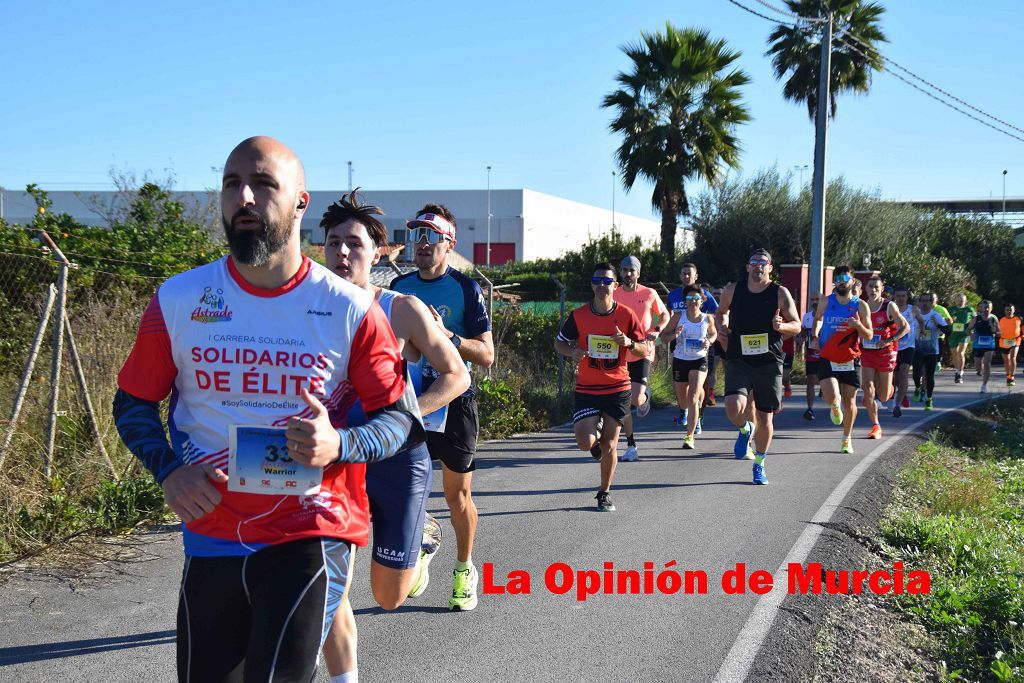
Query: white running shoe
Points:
[984, 389]
[631, 455]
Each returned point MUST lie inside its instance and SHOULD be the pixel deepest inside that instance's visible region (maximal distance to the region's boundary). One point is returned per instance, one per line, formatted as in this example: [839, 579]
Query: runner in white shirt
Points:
[694, 334]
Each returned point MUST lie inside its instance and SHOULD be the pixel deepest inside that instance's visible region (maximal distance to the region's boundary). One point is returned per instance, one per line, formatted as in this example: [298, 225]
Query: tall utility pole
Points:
[820, 145]
[1004, 196]
[488, 215]
[350, 177]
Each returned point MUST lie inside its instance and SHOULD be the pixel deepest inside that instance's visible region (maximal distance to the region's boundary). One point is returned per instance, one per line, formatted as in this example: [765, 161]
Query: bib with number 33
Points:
[258, 462]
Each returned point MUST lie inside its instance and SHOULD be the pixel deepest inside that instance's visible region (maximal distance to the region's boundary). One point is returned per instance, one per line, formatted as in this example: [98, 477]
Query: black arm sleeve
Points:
[138, 423]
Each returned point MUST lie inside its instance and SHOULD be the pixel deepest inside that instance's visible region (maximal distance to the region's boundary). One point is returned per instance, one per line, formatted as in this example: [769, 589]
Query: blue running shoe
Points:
[759, 477]
[739, 449]
[700, 426]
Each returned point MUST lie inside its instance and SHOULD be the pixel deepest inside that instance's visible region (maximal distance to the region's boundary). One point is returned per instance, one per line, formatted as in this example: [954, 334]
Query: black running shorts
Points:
[681, 369]
[639, 371]
[260, 617]
[615, 406]
[850, 378]
[456, 445]
[765, 379]
[906, 356]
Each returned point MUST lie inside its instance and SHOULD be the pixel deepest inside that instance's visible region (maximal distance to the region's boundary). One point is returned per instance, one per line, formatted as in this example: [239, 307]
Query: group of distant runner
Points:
[306, 403]
[861, 336]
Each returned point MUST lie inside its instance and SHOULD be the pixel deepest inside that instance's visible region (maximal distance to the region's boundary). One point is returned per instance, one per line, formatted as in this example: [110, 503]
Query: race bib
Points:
[258, 462]
[926, 335]
[437, 420]
[753, 344]
[874, 342]
[694, 345]
[985, 342]
[843, 367]
[601, 346]
[958, 327]
[1007, 343]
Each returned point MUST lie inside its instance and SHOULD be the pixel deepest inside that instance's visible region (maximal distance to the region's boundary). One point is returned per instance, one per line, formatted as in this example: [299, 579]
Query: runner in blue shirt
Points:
[458, 307]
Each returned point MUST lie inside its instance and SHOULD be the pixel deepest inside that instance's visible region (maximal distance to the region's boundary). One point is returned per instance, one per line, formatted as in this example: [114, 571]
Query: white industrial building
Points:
[524, 225]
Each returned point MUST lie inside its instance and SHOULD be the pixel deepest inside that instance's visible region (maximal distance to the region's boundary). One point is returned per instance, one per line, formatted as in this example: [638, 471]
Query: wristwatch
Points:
[456, 340]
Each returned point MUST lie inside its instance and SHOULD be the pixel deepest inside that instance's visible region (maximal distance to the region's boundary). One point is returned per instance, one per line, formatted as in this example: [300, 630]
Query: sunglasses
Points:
[417, 235]
[845, 277]
[606, 281]
[759, 262]
[693, 297]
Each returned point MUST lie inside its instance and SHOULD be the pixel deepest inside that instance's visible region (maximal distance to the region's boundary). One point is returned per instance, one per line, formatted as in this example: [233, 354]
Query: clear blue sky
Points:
[426, 95]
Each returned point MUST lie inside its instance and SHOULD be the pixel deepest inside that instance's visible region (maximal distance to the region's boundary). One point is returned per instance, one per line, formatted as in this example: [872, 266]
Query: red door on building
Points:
[501, 253]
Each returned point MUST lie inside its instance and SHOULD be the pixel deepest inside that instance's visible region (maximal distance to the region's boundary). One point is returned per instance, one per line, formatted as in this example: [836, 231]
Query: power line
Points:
[758, 14]
[811, 20]
[935, 97]
[930, 84]
[885, 59]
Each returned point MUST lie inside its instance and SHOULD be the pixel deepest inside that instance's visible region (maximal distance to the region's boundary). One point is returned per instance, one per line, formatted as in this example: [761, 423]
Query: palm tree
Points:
[677, 110]
[796, 50]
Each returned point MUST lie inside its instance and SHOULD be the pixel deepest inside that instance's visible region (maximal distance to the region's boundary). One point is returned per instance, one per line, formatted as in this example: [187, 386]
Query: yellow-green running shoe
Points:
[688, 442]
[847, 446]
[428, 550]
[836, 413]
[464, 585]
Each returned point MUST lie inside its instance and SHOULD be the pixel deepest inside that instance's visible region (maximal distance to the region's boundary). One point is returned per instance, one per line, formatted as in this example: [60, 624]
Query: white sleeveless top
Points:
[386, 298]
[690, 342]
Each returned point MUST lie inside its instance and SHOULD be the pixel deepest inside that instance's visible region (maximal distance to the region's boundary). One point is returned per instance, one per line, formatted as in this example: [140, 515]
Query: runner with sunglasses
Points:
[597, 335]
[694, 334]
[757, 313]
[846, 318]
[458, 308]
[677, 304]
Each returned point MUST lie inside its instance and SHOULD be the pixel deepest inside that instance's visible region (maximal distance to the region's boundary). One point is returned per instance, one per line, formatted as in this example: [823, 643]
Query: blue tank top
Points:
[836, 315]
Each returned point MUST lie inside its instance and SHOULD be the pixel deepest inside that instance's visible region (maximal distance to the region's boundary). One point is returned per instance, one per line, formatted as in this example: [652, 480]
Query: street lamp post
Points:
[350, 177]
[1004, 194]
[801, 169]
[488, 215]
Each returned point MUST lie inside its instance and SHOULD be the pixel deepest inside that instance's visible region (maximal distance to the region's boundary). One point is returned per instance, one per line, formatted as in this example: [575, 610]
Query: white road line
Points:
[741, 655]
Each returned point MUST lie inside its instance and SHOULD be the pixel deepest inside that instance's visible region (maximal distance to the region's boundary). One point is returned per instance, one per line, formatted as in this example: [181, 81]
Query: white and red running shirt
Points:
[229, 353]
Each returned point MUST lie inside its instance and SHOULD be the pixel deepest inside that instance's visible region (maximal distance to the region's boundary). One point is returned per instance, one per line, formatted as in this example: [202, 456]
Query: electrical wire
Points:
[879, 55]
[810, 20]
[935, 97]
[929, 83]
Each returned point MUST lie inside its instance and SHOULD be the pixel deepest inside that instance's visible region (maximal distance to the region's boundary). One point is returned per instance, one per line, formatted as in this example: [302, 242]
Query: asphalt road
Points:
[535, 496]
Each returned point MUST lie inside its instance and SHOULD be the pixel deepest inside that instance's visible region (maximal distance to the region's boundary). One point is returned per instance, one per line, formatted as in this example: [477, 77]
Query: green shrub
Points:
[502, 411]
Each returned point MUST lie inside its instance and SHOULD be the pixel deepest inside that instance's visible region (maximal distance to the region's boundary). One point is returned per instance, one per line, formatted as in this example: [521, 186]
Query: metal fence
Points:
[64, 330]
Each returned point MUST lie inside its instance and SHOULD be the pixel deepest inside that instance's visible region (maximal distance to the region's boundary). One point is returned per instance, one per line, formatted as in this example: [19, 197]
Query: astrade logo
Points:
[212, 307]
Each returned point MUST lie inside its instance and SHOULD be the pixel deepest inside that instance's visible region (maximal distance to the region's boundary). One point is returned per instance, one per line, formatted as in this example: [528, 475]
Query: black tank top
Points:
[751, 315]
[983, 327]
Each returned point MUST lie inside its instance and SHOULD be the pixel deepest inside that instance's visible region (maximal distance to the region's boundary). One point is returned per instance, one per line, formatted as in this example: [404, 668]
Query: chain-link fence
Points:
[65, 330]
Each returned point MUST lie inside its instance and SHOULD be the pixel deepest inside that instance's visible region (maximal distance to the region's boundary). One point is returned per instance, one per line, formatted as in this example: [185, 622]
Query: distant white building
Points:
[524, 224]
